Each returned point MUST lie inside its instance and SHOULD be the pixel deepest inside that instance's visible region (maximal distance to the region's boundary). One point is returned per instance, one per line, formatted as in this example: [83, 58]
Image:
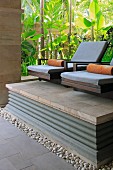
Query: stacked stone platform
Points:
[78, 120]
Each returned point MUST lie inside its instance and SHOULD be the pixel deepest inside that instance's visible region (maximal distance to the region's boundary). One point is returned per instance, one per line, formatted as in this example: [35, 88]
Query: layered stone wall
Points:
[93, 142]
[10, 50]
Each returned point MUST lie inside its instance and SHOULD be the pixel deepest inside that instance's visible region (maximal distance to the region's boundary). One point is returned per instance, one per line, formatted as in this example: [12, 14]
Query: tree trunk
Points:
[42, 26]
[70, 23]
[92, 33]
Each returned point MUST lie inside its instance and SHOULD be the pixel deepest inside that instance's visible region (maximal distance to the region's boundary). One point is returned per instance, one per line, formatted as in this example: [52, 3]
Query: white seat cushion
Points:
[84, 76]
[43, 68]
[47, 68]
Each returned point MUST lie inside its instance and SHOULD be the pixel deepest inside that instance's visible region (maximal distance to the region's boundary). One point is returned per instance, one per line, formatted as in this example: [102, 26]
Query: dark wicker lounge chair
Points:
[86, 52]
[90, 82]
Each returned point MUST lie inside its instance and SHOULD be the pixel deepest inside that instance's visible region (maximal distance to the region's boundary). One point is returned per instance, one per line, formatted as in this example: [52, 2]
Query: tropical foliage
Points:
[54, 28]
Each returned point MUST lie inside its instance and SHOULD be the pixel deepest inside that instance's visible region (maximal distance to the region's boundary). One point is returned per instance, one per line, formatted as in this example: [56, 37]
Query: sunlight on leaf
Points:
[93, 9]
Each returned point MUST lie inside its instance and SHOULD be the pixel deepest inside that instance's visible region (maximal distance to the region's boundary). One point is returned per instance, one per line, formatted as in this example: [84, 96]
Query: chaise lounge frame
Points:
[55, 74]
[87, 87]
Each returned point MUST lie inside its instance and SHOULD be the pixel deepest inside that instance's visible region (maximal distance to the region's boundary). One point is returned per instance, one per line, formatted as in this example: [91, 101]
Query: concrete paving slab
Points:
[8, 132]
[7, 149]
[27, 147]
[51, 162]
[20, 152]
[31, 168]
[18, 162]
[5, 164]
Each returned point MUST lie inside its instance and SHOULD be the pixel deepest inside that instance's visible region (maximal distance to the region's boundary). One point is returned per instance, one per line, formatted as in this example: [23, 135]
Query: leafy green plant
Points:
[108, 35]
[29, 52]
[56, 27]
[95, 21]
[65, 24]
[29, 37]
[53, 21]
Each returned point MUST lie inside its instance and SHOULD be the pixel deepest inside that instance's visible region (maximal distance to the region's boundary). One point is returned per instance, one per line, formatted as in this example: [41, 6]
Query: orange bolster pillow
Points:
[55, 62]
[100, 69]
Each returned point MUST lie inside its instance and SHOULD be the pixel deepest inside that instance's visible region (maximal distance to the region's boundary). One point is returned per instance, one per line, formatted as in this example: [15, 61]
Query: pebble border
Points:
[60, 151]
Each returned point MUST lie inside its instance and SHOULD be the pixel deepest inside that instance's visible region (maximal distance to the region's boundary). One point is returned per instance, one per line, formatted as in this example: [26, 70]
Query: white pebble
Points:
[13, 119]
[83, 168]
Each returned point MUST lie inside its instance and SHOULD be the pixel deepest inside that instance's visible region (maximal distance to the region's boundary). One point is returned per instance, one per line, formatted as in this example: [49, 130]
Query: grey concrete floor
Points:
[20, 152]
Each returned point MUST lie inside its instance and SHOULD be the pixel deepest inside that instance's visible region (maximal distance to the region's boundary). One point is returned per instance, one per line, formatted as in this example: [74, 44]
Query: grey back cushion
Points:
[90, 51]
[111, 63]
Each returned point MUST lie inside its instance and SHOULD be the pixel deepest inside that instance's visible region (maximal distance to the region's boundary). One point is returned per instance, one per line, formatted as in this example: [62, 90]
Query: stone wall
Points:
[10, 50]
[10, 4]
